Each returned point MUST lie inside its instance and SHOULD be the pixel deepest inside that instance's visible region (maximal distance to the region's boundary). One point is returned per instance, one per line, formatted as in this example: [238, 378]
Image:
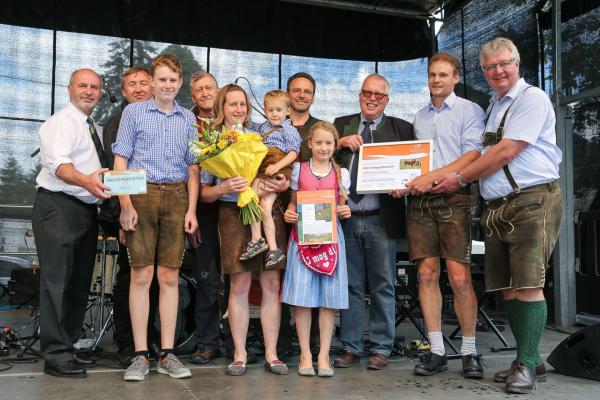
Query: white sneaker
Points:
[137, 371]
[171, 366]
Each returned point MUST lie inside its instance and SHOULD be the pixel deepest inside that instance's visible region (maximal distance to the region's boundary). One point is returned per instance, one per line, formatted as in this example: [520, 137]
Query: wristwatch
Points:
[459, 180]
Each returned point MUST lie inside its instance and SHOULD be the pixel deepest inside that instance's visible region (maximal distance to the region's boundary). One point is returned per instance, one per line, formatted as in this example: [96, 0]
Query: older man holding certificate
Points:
[371, 233]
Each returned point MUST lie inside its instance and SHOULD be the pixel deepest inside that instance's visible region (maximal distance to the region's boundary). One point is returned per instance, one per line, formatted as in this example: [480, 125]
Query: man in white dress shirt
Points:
[439, 226]
[69, 188]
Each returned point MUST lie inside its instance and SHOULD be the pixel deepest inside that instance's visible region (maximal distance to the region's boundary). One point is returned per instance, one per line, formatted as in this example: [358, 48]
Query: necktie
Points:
[97, 144]
[367, 137]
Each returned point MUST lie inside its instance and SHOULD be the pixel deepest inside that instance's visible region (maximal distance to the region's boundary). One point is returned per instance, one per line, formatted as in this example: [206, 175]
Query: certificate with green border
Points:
[131, 181]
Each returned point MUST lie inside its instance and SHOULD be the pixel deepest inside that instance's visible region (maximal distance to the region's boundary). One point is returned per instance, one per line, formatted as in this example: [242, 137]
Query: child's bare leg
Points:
[255, 227]
[303, 320]
[326, 317]
[258, 187]
[266, 203]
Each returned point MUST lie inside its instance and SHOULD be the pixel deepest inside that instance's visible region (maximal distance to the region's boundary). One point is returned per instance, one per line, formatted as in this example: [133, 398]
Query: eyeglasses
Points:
[367, 94]
[502, 65]
[298, 91]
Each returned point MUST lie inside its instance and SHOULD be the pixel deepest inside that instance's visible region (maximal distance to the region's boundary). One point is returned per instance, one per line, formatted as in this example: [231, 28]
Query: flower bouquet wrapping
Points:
[227, 154]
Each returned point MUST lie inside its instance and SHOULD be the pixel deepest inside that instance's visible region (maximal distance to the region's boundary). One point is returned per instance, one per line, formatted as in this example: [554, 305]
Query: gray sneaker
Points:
[171, 366]
[137, 371]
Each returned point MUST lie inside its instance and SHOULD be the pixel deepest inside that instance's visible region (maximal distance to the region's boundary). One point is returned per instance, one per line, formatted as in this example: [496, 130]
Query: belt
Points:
[46, 191]
[369, 213]
[168, 185]
[500, 200]
[42, 190]
[464, 191]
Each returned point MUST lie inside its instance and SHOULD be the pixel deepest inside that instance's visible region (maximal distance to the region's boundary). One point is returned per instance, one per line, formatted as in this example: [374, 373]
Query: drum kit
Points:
[99, 312]
[23, 289]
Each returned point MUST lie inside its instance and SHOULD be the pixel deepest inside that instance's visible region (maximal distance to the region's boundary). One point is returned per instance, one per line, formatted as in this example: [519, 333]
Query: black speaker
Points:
[579, 354]
[24, 286]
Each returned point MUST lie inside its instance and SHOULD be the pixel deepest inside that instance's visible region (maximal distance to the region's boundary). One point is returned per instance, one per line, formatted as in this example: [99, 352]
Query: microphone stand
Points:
[261, 110]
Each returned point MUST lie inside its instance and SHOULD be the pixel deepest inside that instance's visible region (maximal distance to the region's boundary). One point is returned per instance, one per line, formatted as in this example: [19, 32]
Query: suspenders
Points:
[492, 138]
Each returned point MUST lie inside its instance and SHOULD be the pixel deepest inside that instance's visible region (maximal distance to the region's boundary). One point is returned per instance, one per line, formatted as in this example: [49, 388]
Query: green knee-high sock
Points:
[509, 308]
[530, 319]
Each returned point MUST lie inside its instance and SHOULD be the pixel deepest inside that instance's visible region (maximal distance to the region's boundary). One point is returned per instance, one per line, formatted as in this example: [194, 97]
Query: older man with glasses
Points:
[518, 173]
[372, 232]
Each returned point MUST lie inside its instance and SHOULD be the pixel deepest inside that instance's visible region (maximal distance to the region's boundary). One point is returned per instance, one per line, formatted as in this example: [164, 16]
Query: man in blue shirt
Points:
[439, 226]
[135, 87]
[518, 172]
[154, 135]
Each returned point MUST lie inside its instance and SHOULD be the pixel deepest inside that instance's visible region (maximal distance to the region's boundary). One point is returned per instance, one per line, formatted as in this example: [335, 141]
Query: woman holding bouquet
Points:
[232, 107]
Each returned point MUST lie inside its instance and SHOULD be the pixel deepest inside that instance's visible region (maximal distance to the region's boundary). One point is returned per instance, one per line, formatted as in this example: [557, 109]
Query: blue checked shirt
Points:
[286, 137]
[157, 142]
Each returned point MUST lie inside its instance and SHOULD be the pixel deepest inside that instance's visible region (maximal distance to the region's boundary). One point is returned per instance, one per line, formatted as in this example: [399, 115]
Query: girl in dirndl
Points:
[316, 276]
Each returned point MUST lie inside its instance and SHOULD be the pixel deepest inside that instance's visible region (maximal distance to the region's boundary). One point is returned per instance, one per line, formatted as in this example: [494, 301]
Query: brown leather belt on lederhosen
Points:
[492, 138]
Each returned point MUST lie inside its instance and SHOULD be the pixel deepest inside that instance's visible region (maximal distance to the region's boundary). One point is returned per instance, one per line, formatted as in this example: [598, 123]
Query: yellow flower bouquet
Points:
[227, 154]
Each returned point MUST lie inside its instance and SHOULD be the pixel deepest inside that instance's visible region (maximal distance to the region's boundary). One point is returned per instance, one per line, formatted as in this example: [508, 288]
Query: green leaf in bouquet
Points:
[251, 213]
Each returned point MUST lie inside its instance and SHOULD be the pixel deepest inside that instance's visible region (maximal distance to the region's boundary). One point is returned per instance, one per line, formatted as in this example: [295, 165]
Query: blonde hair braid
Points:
[342, 191]
[329, 127]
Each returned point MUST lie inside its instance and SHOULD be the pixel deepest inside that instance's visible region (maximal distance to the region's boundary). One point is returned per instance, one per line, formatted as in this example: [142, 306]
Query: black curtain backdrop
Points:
[263, 25]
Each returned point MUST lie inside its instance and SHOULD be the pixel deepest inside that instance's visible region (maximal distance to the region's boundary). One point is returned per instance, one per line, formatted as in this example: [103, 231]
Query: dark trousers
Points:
[66, 235]
[205, 265]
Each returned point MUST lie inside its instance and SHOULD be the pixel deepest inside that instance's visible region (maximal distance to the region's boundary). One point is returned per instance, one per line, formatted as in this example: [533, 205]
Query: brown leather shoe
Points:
[540, 372]
[345, 359]
[377, 361]
[203, 356]
[522, 380]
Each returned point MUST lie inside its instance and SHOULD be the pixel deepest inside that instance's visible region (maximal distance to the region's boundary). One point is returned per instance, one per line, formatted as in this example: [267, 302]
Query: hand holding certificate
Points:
[131, 181]
[383, 167]
[316, 217]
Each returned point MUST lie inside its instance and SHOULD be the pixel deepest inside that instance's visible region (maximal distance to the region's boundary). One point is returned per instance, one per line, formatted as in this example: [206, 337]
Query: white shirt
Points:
[369, 202]
[65, 138]
[530, 119]
[455, 128]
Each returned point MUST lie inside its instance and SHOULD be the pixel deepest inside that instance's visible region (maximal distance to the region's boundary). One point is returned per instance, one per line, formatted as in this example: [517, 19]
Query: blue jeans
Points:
[371, 255]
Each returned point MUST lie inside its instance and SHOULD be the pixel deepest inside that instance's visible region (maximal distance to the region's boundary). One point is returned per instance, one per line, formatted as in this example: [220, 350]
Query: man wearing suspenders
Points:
[518, 173]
